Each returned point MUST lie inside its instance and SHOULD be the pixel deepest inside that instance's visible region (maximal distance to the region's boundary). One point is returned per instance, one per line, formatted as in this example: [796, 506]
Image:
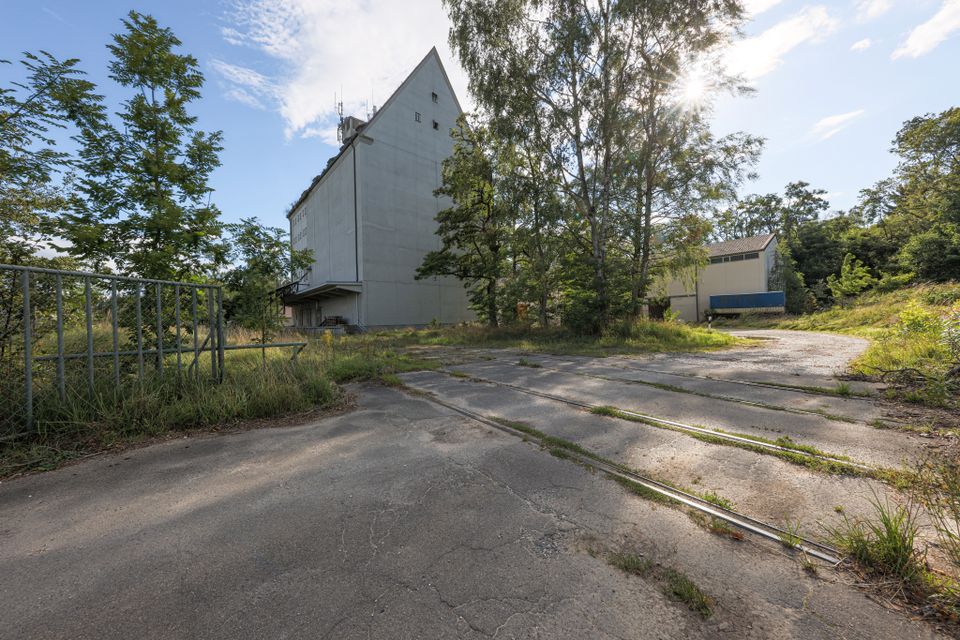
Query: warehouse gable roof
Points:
[347, 144]
[740, 245]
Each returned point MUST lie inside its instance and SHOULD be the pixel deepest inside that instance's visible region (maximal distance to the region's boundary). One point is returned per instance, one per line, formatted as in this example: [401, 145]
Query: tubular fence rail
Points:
[66, 332]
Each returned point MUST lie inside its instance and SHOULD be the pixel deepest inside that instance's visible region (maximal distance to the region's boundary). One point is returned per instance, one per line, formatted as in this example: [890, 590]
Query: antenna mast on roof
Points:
[338, 107]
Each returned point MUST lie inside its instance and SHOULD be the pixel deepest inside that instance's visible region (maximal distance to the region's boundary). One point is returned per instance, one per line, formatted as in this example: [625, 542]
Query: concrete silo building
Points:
[369, 216]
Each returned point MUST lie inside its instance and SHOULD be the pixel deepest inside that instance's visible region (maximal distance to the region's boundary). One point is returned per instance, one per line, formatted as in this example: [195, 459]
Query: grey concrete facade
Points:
[369, 218]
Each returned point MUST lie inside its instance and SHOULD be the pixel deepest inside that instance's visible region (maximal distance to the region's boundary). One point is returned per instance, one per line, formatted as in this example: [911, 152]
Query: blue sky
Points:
[834, 80]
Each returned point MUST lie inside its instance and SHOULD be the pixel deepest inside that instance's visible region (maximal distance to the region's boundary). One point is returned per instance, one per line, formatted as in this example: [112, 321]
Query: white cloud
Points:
[756, 7]
[360, 51]
[870, 9]
[757, 56]
[832, 125]
[861, 45]
[925, 37]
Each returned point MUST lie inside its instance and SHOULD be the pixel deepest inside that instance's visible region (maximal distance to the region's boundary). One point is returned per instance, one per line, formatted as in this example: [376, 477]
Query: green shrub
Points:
[854, 278]
[891, 282]
[934, 255]
[941, 297]
[885, 545]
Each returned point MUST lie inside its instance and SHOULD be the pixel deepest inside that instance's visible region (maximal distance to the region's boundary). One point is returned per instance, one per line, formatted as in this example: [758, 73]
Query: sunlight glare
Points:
[693, 88]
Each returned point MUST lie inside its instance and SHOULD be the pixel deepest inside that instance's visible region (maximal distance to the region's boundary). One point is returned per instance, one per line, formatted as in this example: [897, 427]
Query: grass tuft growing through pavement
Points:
[790, 537]
[685, 590]
[674, 584]
[793, 452]
[885, 545]
[564, 449]
[630, 563]
[523, 362]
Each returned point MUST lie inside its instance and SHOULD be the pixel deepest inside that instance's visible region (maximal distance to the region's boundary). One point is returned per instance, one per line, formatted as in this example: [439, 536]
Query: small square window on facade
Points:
[435, 97]
[416, 116]
[436, 125]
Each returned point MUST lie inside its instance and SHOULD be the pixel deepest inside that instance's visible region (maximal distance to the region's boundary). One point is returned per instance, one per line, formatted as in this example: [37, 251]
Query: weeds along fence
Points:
[70, 334]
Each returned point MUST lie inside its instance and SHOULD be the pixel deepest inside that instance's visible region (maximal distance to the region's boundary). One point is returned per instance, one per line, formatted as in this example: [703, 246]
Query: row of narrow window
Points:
[417, 116]
[736, 258]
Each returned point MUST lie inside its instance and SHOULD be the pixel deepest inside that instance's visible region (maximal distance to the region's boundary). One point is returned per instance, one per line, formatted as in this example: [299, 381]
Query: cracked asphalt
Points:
[404, 519]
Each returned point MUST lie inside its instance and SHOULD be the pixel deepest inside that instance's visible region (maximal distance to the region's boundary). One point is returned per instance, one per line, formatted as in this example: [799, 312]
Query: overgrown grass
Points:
[795, 453]
[885, 545]
[843, 389]
[136, 410]
[639, 336]
[888, 546]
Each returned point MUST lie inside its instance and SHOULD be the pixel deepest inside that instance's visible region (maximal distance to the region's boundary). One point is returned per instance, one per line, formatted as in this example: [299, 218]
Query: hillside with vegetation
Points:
[887, 269]
[905, 229]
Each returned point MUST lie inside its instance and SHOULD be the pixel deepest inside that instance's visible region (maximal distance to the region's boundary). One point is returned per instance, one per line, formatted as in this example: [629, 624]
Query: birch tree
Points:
[585, 83]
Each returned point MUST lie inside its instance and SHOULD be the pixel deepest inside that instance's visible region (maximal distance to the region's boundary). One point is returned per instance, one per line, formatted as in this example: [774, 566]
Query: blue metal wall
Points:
[765, 299]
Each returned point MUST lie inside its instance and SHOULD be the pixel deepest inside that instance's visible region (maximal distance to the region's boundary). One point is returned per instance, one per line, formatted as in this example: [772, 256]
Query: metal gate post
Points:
[27, 348]
[159, 330]
[220, 333]
[196, 338]
[139, 336]
[211, 324]
[61, 375]
[116, 334]
[88, 311]
[176, 315]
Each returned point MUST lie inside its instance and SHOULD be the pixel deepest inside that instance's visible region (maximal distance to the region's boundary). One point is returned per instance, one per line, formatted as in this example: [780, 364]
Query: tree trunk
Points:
[643, 282]
[492, 303]
[599, 272]
[542, 311]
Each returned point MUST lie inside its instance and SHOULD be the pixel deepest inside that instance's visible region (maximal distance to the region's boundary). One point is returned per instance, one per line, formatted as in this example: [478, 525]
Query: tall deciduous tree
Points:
[262, 260]
[571, 76]
[926, 199]
[772, 213]
[145, 204]
[53, 96]
[474, 231]
[537, 241]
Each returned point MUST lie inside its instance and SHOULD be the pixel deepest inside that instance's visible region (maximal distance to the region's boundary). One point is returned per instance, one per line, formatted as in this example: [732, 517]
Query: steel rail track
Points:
[703, 394]
[748, 383]
[752, 525]
[679, 426]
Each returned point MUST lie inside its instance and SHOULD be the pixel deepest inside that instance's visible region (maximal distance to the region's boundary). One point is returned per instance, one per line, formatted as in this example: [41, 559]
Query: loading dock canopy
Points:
[291, 293]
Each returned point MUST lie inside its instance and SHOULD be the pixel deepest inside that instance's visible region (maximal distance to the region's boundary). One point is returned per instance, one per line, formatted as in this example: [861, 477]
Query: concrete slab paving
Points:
[793, 357]
[764, 487]
[851, 408]
[858, 441]
[398, 520]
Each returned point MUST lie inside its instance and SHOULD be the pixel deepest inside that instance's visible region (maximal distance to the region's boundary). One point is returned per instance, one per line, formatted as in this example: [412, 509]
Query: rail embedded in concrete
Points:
[752, 525]
[688, 428]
